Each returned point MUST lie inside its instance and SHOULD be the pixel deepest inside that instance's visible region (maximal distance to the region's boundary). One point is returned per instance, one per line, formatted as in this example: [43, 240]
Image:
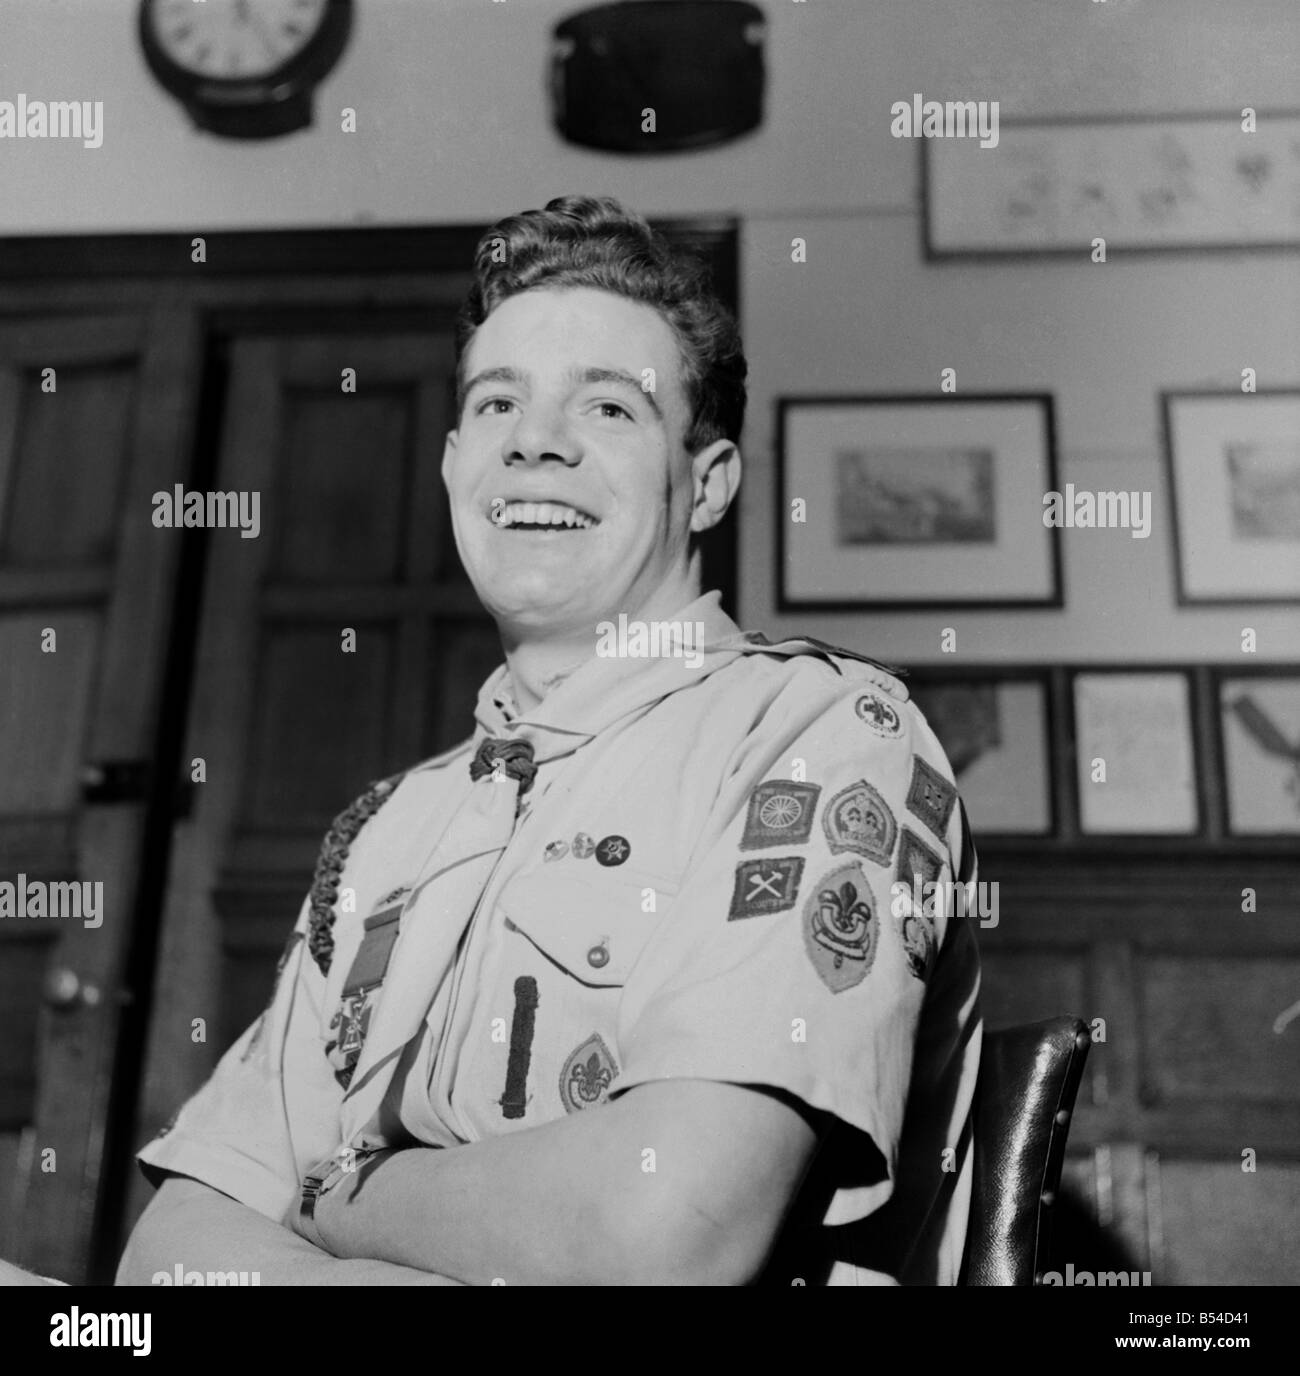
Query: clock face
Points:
[234, 40]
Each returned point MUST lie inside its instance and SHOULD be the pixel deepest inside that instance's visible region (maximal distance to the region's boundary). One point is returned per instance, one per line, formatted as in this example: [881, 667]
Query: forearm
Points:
[204, 1230]
[488, 1211]
[614, 1196]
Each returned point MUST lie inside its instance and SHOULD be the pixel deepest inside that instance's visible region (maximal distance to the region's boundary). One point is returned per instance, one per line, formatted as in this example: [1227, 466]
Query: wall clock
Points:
[244, 68]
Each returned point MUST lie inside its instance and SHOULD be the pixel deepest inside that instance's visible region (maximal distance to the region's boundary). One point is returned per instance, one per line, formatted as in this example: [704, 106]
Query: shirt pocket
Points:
[593, 926]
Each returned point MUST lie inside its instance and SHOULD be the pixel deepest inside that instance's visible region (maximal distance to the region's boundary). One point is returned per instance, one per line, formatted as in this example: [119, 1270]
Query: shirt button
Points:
[598, 957]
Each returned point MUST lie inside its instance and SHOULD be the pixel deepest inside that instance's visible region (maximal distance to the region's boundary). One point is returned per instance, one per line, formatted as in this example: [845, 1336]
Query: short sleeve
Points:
[794, 956]
[269, 1109]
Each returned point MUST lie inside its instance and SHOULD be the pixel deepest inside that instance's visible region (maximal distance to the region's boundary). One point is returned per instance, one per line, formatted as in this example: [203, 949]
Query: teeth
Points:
[507, 514]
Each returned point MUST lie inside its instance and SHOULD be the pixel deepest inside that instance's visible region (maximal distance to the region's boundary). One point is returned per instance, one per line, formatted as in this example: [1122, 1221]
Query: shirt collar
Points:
[606, 688]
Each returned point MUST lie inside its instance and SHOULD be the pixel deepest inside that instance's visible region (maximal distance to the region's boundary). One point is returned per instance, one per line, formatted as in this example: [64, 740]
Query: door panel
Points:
[84, 597]
[355, 536]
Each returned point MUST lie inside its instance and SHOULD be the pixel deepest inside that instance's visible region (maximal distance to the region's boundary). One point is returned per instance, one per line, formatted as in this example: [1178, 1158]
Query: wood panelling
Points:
[1189, 987]
[1208, 1029]
[462, 653]
[48, 519]
[347, 462]
[1028, 986]
[24, 954]
[79, 555]
[44, 701]
[13, 1180]
[1225, 1226]
[321, 723]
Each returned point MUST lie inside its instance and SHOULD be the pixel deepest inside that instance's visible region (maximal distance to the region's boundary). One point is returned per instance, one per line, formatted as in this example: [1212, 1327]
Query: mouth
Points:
[550, 518]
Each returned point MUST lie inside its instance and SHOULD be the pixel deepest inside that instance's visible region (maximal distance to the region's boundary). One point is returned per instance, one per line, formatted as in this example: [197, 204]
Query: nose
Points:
[542, 433]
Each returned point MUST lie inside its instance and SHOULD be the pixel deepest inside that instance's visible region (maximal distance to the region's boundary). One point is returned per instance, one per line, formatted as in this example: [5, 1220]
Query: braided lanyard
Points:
[329, 867]
[513, 758]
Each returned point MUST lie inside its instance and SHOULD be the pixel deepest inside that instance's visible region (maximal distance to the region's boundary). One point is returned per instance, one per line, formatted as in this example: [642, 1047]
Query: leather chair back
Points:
[1028, 1079]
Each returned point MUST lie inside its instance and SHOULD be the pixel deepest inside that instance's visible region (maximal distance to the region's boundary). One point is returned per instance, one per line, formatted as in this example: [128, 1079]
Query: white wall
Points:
[866, 314]
[453, 127]
[453, 121]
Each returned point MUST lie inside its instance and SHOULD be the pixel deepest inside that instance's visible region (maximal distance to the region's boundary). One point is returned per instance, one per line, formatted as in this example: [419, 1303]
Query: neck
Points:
[539, 662]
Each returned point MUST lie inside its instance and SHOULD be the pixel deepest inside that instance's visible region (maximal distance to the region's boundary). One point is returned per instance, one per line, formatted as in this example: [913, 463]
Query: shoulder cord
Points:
[329, 866]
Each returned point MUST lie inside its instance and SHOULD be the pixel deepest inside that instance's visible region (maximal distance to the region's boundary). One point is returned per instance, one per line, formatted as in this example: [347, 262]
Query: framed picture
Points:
[995, 729]
[916, 501]
[1259, 740]
[1234, 475]
[1135, 759]
[1142, 183]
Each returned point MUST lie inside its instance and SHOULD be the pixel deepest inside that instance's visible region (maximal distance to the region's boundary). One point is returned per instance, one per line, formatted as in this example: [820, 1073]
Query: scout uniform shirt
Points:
[699, 881]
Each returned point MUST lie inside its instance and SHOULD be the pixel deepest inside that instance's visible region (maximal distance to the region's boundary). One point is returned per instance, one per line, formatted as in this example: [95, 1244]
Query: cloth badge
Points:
[780, 814]
[765, 886]
[930, 796]
[840, 928]
[917, 930]
[557, 850]
[879, 714]
[858, 819]
[612, 850]
[587, 1075]
[583, 846]
[917, 863]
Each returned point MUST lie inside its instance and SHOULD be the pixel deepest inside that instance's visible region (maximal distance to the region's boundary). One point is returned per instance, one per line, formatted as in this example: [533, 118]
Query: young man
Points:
[622, 990]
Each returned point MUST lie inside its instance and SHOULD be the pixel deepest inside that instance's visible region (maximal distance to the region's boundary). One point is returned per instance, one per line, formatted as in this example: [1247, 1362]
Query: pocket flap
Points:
[593, 925]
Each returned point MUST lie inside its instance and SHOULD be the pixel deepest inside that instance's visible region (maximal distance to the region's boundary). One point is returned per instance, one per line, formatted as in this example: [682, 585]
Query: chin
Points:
[535, 603]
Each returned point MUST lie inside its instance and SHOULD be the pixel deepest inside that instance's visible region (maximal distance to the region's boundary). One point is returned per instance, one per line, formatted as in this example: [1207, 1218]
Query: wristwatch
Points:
[323, 1177]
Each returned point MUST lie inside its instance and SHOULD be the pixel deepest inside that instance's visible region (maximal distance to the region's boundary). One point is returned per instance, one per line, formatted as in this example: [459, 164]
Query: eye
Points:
[485, 407]
[604, 407]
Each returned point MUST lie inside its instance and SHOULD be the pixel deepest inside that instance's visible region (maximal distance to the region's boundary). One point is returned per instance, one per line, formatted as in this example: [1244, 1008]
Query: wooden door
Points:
[94, 416]
[289, 721]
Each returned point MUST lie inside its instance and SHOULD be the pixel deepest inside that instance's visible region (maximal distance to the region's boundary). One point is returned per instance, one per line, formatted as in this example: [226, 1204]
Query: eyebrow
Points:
[579, 376]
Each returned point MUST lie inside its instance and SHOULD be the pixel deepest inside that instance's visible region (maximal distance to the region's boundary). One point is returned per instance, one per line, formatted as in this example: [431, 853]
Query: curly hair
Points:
[594, 241]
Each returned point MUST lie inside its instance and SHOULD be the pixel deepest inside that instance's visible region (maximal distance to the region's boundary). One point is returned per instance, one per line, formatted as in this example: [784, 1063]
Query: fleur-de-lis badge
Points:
[587, 1075]
[841, 923]
[840, 928]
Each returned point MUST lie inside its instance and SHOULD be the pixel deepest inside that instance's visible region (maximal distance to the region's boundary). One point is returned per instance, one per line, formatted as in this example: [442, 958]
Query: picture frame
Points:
[916, 501]
[1139, 725]
[996, 727]
[1143, 183]
[1233, 462]
[1258, 740]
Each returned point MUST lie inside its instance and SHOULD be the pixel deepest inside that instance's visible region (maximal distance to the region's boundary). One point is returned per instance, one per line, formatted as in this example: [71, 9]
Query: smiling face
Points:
[572, 493]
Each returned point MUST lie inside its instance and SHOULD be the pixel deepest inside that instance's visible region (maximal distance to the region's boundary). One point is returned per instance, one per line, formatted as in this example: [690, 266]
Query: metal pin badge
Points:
[612, 850]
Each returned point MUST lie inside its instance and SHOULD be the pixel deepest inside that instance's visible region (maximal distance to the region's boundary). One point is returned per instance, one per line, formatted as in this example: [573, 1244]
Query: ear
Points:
[449, 456]
[717, 471]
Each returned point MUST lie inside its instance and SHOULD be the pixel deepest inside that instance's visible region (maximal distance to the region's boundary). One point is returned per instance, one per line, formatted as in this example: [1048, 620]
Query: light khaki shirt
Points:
[700, 883]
